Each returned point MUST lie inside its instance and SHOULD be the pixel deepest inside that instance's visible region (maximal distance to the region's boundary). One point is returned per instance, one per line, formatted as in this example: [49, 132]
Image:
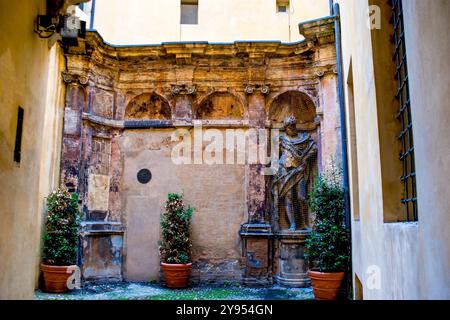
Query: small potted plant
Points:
[327, 247]
[60, 240]
[175, 245]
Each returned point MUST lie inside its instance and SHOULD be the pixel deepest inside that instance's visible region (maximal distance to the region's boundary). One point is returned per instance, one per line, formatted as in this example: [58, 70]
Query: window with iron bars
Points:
[406, 138]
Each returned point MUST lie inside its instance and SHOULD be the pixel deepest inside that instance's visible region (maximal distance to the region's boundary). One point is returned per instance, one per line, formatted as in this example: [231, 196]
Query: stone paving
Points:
[146, 291]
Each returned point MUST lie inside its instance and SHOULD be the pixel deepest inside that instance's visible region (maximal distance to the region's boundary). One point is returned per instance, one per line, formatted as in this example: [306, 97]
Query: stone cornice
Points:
[318, 32]
[95, 62]
[154, 124]
[320, 29]
[183, 50]
[148, 124]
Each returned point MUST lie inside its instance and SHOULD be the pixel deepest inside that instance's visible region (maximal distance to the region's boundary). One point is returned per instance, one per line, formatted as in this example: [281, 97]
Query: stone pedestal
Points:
[257, 253]
[101, 251]
[291, 266]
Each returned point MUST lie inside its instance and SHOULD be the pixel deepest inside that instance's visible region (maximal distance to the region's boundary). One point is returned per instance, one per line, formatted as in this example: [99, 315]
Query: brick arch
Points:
[293, 102]
[148, 106]
[220, 105]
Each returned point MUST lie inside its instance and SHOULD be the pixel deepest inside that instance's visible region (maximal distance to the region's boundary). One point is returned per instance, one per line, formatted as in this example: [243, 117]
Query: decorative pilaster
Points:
[183, 101]
[72, 132]
[257, 232]
[256, 182]
[86, 170]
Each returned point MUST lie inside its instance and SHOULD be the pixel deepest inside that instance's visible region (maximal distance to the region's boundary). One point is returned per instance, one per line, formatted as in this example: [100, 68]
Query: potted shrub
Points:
[60, 240]
[175, 245]
[327, 247]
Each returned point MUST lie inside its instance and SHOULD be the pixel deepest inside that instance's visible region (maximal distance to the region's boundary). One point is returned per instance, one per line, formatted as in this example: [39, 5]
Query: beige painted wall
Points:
[156, 21]
[217, 192]
[414, 258]
[30, 78]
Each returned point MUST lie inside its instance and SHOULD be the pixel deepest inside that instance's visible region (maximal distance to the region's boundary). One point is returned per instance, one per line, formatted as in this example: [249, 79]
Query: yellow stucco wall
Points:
[156, 21]
[413, 258]
[30, 78]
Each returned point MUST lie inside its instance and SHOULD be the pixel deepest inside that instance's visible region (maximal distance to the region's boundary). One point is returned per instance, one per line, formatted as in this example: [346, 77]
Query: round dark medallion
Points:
[144, 176]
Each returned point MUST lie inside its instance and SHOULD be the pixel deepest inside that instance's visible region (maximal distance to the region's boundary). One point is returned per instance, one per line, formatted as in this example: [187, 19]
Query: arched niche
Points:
[294, 103]
[148, 106]
[220, 106]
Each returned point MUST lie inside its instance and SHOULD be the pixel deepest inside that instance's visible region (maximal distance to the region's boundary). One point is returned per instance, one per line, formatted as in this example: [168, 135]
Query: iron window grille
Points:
[408, 177]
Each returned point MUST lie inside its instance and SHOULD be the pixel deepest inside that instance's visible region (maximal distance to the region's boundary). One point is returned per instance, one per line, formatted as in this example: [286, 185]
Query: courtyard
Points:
[239, 150]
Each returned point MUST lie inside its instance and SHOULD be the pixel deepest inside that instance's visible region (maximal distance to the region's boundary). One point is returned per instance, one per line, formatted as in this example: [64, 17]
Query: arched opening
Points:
[148, 106]
[293, 103]
[301, 106]
[220, 106]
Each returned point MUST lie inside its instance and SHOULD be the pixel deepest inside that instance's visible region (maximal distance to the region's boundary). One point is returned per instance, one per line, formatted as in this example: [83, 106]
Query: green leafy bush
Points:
[175, 246]
[327, 246]
[61, 237]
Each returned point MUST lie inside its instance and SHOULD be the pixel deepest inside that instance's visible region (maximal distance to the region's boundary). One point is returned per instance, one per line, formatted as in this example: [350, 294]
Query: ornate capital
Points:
[320, 73]
[249, 89]
[183, 89]
[263, 88]
[69, 77]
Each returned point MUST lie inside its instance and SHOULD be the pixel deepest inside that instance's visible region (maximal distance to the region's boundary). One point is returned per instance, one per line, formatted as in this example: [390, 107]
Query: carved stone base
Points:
[101, 251]
[257, 253]
[291, 267]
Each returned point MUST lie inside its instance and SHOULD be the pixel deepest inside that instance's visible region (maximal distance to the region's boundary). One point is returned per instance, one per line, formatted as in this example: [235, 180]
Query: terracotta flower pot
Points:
[326, 285]
[55, 278]
[176, 275]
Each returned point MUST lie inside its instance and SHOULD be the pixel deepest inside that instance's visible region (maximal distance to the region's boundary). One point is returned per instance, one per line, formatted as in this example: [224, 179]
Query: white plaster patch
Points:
[98, 194]
[71, 121]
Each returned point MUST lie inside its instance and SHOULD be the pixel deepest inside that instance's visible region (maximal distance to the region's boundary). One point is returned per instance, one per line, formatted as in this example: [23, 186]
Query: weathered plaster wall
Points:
[216, 192]
[156, 21]
[414, 258]
[30, 77]
[124, 102]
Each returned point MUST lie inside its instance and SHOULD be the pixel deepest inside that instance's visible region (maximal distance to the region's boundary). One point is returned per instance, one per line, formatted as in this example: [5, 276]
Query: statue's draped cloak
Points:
[295, 150]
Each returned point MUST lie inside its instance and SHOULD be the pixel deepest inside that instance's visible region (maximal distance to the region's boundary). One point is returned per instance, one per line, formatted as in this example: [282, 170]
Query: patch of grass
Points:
[190, 294]
[220, 293]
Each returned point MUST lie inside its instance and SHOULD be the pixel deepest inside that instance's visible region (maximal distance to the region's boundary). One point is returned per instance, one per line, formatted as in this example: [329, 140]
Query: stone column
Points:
[257, 232]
